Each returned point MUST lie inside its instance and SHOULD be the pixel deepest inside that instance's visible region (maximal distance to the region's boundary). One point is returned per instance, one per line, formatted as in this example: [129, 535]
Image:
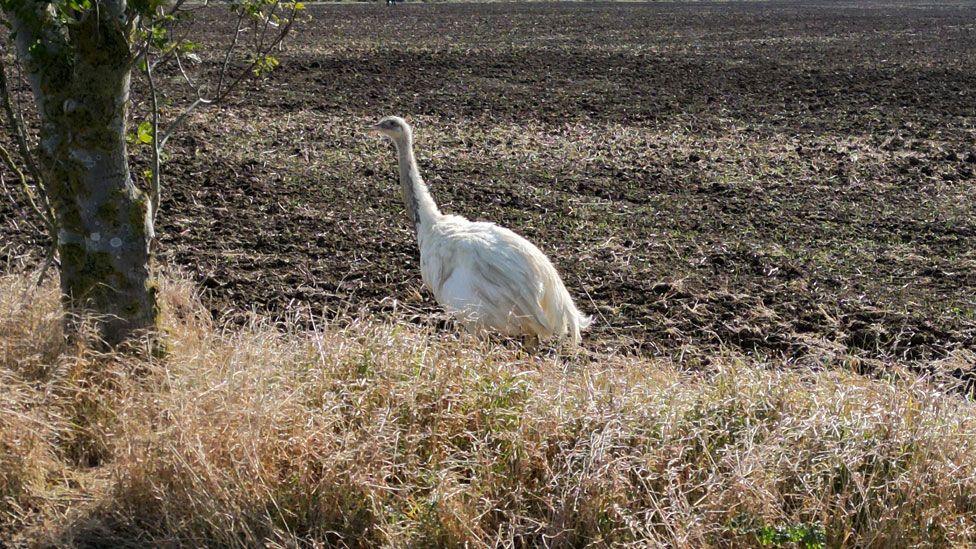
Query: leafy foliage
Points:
[803, 535]
[264, 64]
[145, 133]
[146, 8]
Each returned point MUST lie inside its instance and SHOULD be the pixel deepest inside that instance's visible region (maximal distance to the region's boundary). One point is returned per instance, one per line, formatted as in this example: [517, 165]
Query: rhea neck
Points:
[421, 208]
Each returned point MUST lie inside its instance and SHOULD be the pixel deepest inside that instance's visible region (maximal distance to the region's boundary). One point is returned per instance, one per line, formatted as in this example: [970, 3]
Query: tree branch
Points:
[257, 57]
[33, 25]
[145, 48]
[173, 51]
[17, 126]
[50, 257]
[224, 92]
[13, 200]
[156, 175]
[160, 138]
[5, 156]
[267, 24]
[175, 125]
[189, 81]
[230, 50]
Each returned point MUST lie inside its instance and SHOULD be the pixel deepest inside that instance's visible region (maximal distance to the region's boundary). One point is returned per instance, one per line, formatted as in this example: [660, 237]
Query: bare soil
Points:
[782, 178]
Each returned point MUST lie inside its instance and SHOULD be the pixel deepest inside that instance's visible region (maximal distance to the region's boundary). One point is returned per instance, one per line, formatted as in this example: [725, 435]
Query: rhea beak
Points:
[375, 128]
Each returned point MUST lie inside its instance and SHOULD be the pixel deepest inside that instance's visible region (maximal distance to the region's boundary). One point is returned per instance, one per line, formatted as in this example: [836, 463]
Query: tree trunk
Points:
[104, 228]
[81, 87]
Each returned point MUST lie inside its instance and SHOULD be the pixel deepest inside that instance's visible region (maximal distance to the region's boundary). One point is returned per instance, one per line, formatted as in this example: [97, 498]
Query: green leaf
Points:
[79, 5]
[160, 36]
[265, 64]
[146, 8]
[145, 132]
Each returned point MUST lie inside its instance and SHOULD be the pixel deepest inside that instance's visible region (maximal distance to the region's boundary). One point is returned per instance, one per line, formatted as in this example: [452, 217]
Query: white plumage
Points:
[485, 275]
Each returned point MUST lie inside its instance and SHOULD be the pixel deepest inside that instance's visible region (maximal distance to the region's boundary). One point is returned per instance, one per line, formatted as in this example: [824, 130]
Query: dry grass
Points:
[366, 434]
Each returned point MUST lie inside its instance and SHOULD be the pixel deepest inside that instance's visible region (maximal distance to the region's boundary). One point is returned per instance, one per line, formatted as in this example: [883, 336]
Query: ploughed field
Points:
[784, 178]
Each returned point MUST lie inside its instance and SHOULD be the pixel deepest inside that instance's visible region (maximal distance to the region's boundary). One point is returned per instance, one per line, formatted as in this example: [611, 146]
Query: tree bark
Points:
[80, 82]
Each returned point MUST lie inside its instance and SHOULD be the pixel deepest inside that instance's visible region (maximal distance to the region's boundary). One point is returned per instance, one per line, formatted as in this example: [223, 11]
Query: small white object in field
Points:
[485, 275]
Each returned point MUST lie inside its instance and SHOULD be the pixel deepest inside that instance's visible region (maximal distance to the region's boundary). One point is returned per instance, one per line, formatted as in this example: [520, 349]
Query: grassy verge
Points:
[365, 434]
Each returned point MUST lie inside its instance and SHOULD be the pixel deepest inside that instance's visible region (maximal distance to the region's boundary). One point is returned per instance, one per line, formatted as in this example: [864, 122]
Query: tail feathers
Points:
[563, 319]
[575, 322]
[584, 320]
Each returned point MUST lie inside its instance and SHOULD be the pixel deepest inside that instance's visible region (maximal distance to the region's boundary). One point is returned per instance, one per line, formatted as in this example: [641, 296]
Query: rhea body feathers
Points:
[485, 275]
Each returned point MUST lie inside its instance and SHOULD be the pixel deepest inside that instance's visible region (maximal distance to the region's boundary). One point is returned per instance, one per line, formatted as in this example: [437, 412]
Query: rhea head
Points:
[394, 128]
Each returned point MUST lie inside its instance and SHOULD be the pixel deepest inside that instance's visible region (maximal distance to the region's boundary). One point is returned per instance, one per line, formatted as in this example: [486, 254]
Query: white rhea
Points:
[485, 275]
